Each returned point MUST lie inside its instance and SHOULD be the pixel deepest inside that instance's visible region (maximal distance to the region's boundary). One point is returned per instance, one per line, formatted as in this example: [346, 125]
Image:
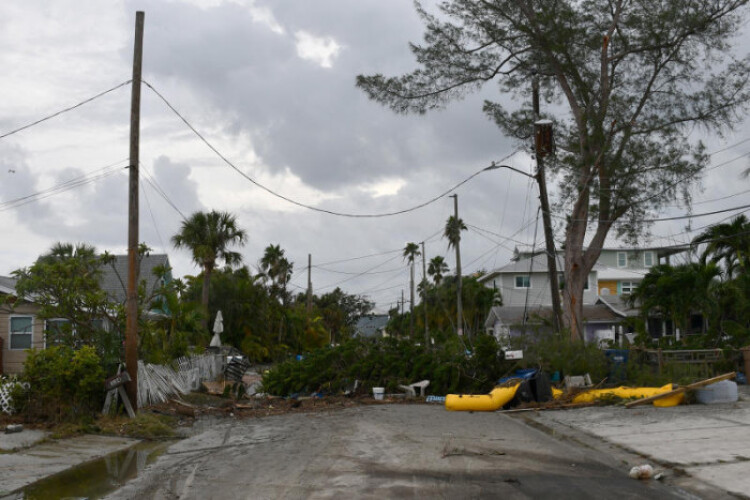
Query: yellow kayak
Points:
[496, 399]
[631, 393]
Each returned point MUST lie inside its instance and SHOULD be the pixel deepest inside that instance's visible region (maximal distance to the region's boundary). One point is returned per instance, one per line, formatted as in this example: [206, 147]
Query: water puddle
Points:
[97, 478]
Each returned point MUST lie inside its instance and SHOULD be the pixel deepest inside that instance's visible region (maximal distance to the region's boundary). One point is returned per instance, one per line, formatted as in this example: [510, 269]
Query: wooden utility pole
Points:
[131, 322]
[309, 283]
[411, 299]
[424, 297]
[459, 279]
[543, 147]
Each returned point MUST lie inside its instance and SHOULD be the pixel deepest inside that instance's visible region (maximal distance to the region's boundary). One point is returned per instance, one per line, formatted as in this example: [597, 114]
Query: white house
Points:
[527, 301]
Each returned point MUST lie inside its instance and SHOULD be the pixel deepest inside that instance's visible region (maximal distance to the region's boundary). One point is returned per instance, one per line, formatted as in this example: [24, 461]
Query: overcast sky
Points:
[271, 86]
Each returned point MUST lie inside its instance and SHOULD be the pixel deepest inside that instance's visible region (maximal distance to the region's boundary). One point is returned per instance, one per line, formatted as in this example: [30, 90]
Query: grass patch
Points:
[147, 426]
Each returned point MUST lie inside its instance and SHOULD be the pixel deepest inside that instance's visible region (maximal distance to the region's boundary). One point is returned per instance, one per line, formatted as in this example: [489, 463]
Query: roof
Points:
[535, 264]
[371, 325]
[513, 315]
[114, 278]
[618, 273]
[529, 265]
[7, 285]
[618, 304]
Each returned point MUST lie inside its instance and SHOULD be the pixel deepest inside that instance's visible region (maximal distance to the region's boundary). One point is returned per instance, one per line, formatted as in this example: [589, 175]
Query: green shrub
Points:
[389, 362]
[555, 353]
[64, 384]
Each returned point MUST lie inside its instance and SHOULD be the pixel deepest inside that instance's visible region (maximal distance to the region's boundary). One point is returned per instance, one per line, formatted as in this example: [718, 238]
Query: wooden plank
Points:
[695, 385]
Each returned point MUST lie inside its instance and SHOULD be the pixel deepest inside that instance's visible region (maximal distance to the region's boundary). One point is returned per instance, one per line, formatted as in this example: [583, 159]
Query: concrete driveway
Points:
[705, 445]
[385, 451]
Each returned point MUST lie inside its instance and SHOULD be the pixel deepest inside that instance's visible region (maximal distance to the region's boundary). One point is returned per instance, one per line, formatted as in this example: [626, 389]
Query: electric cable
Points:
[68, 185]
[304, 205]
[58, 113]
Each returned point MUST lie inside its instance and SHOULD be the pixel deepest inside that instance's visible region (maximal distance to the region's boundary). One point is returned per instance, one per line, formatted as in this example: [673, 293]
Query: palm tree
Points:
[453, 228]
[437, 268]
[728, 242]
[676, 292]
[452, 231]
[208, 236]
[275, 266]
[411, 251]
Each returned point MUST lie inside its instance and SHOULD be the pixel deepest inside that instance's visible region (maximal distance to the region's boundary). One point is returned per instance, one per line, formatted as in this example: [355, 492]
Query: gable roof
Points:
[535, 315]
[114, 277]
[7, 285]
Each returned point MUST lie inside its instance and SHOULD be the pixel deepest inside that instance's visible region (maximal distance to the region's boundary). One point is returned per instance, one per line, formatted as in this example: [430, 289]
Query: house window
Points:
[523, 281]
[648, 259]
[55, 331]
[622, 259]
[628, 286]
[21, 332]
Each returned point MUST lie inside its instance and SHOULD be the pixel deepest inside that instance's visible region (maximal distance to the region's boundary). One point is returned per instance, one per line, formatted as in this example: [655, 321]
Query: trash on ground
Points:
[411, 389]
[678, 391]
[724, 391]
[13, 428]
[435, 399]
[577, 381]
[642, 472]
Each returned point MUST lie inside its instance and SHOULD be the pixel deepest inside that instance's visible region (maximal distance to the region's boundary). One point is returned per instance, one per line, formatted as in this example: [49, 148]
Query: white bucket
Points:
[378, 393]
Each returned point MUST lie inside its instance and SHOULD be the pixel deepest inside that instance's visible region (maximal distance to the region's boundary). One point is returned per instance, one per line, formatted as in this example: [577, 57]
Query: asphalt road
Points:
[384, 451]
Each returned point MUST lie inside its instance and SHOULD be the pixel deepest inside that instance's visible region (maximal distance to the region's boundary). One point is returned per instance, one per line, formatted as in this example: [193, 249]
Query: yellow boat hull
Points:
[631, 393]
[496, 399]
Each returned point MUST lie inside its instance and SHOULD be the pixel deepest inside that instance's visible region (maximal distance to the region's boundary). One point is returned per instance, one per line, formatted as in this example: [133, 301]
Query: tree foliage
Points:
[387, 363]
[728, 243]
[440, 302]
[632, 77]
[65, 283]
[209, 237]
[437, 268]
[63, 384]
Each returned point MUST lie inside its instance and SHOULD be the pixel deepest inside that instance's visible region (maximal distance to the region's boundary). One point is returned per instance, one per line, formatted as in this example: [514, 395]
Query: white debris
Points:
[642, 472]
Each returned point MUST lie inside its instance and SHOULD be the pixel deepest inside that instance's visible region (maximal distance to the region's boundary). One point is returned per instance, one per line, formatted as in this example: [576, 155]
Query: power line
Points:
[152, 181]
[304, 205]
[353, 273]
[361, 257]
[358, 275]
[68, 185]
[153, 219]
[58, 113]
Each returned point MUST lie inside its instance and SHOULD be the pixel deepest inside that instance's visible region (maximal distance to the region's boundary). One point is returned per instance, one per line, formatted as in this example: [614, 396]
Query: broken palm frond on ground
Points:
[159, 383]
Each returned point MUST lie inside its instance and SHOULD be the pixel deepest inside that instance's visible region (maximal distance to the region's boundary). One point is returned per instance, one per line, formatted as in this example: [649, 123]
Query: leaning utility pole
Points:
[424, 296]
[131, 321]
[309, 283]
[459, 279]
[543, 147]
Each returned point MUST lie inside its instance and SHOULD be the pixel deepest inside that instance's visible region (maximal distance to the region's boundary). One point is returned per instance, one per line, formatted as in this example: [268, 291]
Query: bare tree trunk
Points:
[580, 261]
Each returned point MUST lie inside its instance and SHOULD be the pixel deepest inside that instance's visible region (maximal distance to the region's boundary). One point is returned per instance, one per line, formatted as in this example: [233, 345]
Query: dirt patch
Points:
[195, 404]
